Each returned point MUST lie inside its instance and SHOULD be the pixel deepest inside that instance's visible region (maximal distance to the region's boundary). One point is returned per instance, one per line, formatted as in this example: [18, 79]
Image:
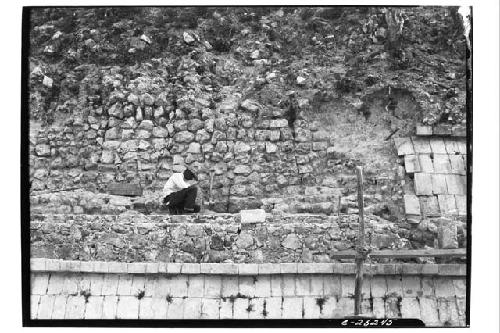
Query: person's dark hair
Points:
[189, 175]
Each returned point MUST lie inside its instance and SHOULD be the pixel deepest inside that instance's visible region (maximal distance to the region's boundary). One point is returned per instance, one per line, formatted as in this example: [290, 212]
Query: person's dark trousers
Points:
[184, 200]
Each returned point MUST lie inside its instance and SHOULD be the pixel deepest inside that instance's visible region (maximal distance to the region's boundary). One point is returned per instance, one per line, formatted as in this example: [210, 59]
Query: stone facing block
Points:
[228, 269]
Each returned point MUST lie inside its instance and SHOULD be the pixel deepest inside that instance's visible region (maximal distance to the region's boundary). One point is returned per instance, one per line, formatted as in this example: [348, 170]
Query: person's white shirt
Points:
[175, 183]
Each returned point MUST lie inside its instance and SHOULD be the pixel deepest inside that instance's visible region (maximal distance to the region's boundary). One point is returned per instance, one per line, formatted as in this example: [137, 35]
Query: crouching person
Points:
[180, 193]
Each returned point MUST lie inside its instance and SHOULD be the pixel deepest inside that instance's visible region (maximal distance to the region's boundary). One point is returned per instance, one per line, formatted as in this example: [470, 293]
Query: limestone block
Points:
[439, 184]
[196, 285]
[404, 146]
[412, 204]
[347, 285]
[109, 307]
[424, 130]
[429, 311]
[456, 184]
[447, 204]
[127, 308]
[288, 285]
[210, 308]
[423, 184]
[34, 301]
[45, 307]
[411, 286]
[410, 308]
[175, 309]
[392, 307]
[378, 286]
[438, 146]
[59, 307]
[394, 286]
[332, 285]
[457, 164]
[253, 216]
[247, 286]
[412, 163]
[441, 163]
[226, 309]
[311, 308]
[461, 201]
[39, 283]
[302, 285]
[429, 205]
[93, 307]
[451, 146]
[75, 307]
[56, 284]
[96, 283]
[422, 146]
[292, 308]
[192, 308]
[379, 308]
[425, 162]
[240, 308]
[229, 286]
[212, 288]
[263, 286]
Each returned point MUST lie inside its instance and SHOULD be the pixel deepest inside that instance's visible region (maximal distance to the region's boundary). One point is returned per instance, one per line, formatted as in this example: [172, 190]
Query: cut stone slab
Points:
[461, 201]
[75, 307]
[226, 309]
[109, 307]
[292, 308]
[39, 283]
[442, 163]
[404, 146]
[462, 147]
[210, 308]
[412, 164]
[45, 307]
[424, 130]
[438, 146]
[192, 308]
[253, 216]
[457, 164]
[59, 307]
[429, 311]
[240, 307]
[422, 146]
[423, 184]
[34, 300]
[447, 204]
[411, 286]
[410, 308]
[273, 307]
[93, 308]
[451, 147]
[430, 206]
[175, 308]
[128, 308]
[439, 184]
[425, 163]
[256, 308]
[456, 184]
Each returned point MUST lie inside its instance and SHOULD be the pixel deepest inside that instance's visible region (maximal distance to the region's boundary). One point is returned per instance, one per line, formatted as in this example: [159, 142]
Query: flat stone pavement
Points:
[438, 301]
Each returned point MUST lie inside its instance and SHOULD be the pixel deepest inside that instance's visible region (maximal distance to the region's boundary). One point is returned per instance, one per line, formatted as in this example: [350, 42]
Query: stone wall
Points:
[98, 290]
[212, 238]
[259, 156]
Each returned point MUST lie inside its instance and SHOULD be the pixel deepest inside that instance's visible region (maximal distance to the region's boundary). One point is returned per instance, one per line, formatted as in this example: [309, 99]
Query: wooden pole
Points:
[360, 246]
